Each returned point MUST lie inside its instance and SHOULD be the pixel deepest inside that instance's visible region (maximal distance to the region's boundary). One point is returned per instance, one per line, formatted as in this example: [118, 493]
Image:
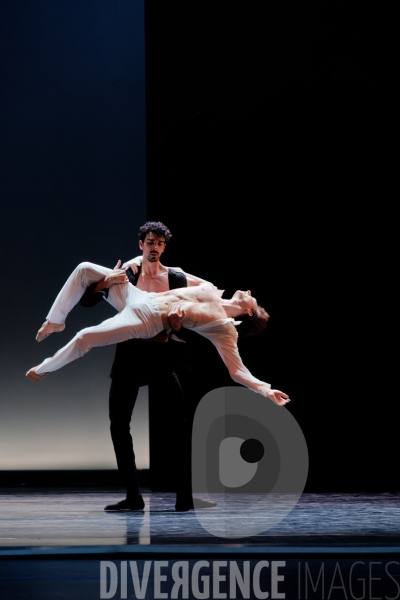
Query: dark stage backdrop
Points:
[264, 158]
[73, 188]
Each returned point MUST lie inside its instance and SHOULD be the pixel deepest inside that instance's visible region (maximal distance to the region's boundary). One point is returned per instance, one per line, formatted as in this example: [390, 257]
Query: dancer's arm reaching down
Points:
[226, 345]
[223, 335]
[134, 263]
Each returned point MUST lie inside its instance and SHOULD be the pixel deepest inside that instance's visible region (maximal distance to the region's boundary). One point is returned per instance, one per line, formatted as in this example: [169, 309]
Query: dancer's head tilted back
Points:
[254, 317]
[253, 324]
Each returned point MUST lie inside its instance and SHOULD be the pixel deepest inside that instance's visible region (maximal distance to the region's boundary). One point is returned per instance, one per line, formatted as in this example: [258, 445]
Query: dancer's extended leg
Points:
[139, 319]
[81, 277]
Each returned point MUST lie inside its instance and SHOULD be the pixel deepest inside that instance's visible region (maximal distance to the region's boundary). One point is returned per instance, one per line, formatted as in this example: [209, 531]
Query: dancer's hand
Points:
[278, 397]
[133, 264]
[176, 316]
[117, 275]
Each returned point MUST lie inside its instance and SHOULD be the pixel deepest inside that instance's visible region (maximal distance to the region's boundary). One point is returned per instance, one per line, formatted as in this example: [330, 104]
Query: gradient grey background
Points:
[73, 188]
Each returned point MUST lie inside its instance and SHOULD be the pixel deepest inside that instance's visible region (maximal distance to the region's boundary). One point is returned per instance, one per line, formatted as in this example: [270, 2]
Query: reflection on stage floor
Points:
[40, 520]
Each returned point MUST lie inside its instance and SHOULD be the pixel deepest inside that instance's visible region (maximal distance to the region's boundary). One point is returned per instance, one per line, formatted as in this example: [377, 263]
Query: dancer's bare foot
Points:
[34, 376]
[48, 328]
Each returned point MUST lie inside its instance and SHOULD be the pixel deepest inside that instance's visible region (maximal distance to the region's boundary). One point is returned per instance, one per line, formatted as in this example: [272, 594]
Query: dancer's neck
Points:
[152, 269]
[232, 309]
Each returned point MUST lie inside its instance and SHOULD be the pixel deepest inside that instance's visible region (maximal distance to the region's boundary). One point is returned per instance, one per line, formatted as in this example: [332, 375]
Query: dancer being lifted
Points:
[144, 315]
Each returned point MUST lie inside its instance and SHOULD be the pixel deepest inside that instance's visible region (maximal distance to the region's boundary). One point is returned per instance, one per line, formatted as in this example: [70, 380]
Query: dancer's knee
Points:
[87, 272]
[83, 341]
[83, 266]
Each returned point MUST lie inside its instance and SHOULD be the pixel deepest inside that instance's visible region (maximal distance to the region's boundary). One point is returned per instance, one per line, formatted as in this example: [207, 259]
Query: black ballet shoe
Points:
[192, 503]
[127, 505]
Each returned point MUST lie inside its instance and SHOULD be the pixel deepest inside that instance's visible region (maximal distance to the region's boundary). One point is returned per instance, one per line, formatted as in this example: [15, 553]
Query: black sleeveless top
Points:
[140, 361]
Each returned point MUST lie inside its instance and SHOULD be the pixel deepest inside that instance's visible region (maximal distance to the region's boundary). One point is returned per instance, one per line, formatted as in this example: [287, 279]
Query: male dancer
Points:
[143, 315]
[138, 363]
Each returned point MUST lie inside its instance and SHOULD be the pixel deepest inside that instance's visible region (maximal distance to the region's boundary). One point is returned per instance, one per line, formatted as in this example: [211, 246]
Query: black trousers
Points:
[172, 429]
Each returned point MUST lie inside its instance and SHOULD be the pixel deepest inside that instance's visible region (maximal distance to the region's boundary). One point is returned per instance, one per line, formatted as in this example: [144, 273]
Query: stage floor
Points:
[62, 544]
[41, 521]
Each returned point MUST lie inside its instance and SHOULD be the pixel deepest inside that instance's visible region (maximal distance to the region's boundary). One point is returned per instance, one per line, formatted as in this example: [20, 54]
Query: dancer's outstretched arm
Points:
[224, 337]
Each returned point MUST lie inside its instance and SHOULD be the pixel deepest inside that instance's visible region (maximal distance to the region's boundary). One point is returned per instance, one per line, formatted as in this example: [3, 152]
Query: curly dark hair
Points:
[154, 227]
[254, 324]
